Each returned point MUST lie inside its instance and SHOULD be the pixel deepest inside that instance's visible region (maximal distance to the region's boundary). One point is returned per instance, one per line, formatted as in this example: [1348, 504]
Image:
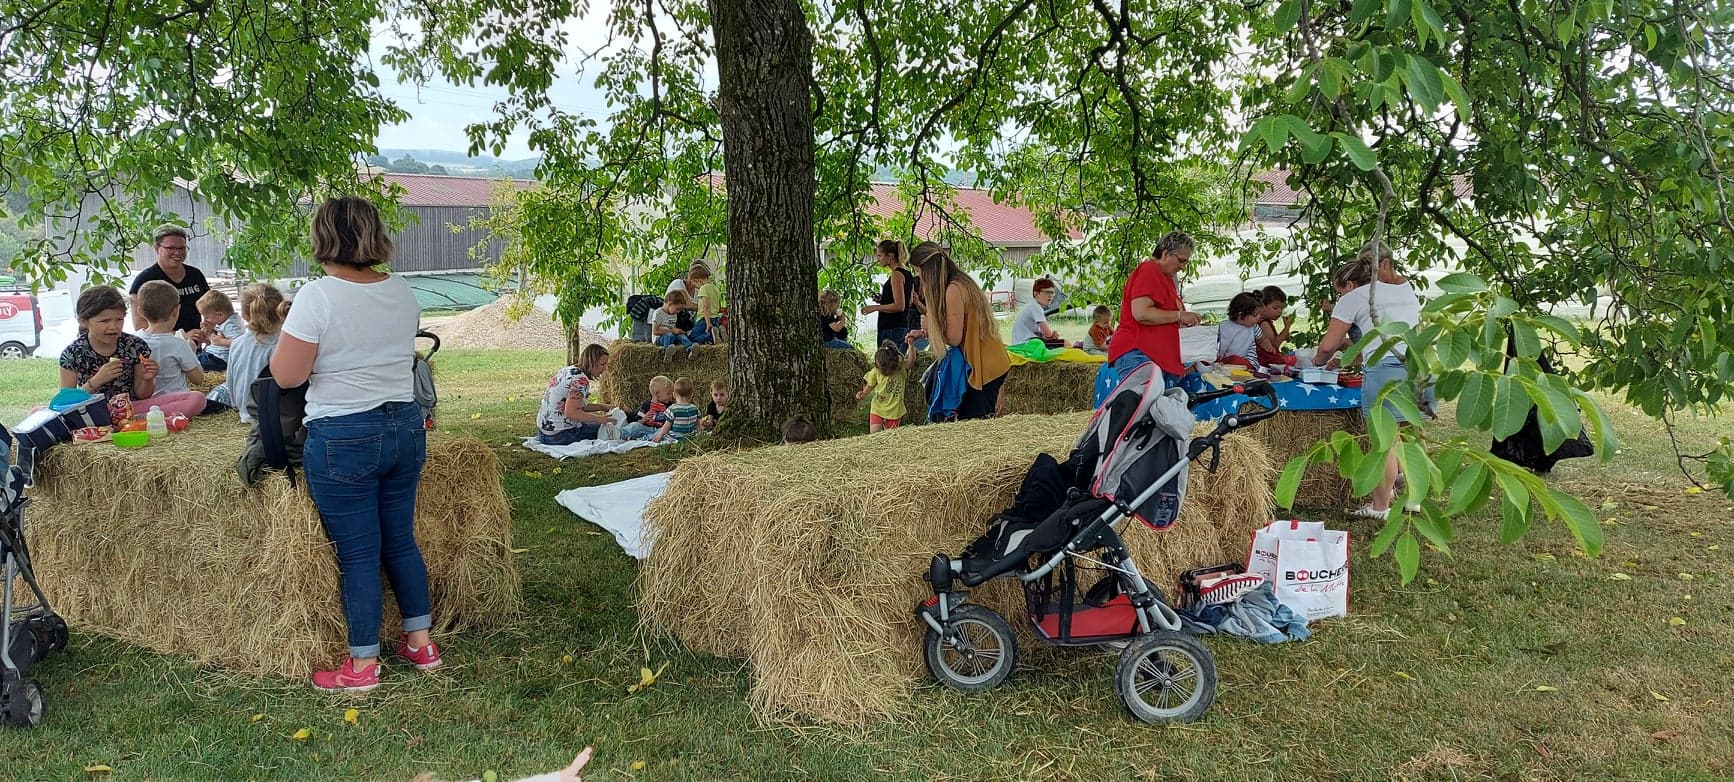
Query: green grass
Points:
[1435, 680]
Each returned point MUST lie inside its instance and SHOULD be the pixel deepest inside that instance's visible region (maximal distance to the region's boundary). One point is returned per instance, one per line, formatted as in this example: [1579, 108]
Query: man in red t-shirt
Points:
[1151, 312]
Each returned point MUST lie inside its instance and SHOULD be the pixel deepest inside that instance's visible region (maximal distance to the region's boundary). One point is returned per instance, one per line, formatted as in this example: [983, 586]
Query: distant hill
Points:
[461, 164]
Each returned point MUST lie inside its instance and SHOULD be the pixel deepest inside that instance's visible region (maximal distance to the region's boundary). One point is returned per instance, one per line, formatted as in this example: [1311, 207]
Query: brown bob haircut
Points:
[347, 232]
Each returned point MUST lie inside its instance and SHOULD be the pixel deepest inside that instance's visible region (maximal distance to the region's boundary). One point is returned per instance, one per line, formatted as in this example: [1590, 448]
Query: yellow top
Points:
[887, 395]
[986, 356]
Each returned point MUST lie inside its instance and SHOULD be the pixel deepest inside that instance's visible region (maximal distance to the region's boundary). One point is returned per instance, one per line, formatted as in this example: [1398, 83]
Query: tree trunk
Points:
[776, 365]
[574, 343]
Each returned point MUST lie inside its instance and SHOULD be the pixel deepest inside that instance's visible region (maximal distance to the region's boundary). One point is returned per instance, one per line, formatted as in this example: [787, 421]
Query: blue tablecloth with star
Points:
[1290, 395]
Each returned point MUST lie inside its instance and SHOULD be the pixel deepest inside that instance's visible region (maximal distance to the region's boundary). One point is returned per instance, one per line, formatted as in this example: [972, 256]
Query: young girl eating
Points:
[1237, 339]
[106, 360]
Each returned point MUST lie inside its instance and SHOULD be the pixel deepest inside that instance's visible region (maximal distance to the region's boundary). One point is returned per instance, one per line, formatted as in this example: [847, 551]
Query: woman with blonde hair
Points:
[896, 303]
[1374, 293]
[351, 338]
[965, 339]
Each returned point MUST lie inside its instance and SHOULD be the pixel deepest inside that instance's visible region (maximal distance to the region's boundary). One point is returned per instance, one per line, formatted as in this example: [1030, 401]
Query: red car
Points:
[20, 325]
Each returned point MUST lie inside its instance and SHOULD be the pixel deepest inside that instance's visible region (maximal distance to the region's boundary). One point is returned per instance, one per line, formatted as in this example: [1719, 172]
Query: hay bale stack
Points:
[1294, 432]
[631, 365]
[165, 548]
[812, 556]
[1047, 389]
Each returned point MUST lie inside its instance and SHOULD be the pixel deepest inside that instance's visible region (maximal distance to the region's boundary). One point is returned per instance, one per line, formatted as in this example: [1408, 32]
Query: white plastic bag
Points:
[1308, 565]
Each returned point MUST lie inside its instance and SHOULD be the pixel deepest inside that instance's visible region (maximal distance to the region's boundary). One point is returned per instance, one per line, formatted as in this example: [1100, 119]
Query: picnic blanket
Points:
[585, 447]
[618, 508]
[1033, 351]
[1290, 395]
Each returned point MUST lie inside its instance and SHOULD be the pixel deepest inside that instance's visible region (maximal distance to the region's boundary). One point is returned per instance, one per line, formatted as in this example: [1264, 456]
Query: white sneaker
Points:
[1367, 512]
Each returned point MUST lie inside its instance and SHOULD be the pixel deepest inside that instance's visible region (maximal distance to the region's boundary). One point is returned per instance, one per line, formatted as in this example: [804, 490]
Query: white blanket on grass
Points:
[585, 447]
[618, 508]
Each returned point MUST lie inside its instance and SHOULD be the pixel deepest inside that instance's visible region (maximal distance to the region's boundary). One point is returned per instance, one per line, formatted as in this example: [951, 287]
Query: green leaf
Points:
[1397, 14]
[1430, 528]
[1362, 10]
[1469, 486]
[1357, 151]
[1408, 556]
[1417, 469]
[1601, 427]
[1382, 426]
[1402, 396]
[1528, 344]
[1459, 97]
[1510, 407]
[1514, 519]
[1461, 282]
[1289, 482]
[1369, 472]
[1453, 350]
[1560, 326]
[1287, 15]
[1475, 406]
[1579, 520]
[1394, 523]
[1425, 86]
[1426, 18]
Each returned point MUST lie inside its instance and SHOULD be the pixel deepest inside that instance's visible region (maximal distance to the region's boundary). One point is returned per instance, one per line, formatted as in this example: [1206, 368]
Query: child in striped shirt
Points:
[683, 415]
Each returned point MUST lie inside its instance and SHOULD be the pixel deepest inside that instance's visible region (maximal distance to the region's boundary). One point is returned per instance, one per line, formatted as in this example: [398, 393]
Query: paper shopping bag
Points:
[1307, 564]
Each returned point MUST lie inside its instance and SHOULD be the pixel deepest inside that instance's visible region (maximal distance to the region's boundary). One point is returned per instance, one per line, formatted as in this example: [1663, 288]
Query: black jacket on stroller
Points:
[1138, 434]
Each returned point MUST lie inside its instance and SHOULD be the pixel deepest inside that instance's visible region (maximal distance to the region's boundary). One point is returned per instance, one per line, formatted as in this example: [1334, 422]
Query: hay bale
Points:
[813, 555]
[1054, 387]
[631, 365]
[165, 548]
[212, 379]
[1294, 432]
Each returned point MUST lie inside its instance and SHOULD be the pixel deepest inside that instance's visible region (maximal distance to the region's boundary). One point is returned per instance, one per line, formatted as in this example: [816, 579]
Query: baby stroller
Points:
[27, 632]
[1130, 463]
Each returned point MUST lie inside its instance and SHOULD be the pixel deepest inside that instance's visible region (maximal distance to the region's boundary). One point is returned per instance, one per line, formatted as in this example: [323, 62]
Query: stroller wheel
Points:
[978, 653]
[1166, 677]
[22, 701]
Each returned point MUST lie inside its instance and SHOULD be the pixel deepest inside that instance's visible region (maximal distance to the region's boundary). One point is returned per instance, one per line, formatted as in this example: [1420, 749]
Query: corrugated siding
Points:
[429, 244]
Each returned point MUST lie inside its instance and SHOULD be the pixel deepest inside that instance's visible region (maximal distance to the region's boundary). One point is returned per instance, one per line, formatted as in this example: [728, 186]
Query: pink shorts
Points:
[883, 423]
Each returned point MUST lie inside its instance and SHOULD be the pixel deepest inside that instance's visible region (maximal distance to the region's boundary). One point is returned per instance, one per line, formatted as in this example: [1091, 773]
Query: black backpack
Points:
[641, 305]
[279, 429]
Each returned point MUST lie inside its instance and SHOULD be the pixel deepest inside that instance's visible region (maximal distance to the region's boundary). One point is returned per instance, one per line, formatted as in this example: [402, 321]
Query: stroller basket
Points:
[1061, 614]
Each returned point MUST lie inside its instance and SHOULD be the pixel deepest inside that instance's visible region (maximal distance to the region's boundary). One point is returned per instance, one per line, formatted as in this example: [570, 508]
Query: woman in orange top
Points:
[959, 316]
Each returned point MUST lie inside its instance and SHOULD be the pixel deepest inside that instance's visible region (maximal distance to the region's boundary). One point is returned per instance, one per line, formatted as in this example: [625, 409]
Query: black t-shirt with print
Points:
[710, 410]
[191, 287]
[825, 332]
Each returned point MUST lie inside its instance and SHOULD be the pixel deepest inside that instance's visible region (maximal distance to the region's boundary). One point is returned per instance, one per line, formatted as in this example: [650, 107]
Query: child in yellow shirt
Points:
[886, 381]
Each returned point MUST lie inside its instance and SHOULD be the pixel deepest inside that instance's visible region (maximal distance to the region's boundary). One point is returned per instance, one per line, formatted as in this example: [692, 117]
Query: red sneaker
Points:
[426, 658]
[347, 679]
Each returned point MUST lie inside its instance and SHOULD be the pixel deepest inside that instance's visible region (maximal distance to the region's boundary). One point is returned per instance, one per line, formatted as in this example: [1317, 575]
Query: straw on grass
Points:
[164, 547]
[812, 556]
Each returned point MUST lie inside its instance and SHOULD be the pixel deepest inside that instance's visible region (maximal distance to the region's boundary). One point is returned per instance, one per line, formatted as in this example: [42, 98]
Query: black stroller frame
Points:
[27, 632]
[1163, 675]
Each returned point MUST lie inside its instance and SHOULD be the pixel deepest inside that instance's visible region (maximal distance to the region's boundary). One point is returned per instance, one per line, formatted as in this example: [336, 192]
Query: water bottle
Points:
[156, 423]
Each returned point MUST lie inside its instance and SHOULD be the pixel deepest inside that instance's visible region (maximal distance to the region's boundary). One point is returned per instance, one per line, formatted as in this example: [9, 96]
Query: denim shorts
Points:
[1374, 379]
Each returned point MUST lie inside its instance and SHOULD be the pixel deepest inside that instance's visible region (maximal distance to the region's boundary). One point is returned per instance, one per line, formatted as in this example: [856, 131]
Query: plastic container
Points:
[1318, 376]
[156, 423]
[131, 439]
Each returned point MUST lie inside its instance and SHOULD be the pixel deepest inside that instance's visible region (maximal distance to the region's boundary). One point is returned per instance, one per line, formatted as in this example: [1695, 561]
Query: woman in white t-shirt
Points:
[351, 338]
[1374, 293]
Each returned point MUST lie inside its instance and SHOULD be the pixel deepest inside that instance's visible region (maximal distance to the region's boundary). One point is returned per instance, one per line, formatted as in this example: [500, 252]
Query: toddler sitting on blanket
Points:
[683, 415]
[653, 413]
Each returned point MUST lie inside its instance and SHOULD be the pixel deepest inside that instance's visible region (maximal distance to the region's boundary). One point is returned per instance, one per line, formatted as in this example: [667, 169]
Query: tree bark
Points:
[776, 364]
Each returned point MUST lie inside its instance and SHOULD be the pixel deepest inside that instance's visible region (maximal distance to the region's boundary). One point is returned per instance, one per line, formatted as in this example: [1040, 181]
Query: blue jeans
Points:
[211, 363]
[579, 433]
[1388, 371]
[669, 340]
[363, 470]
[1134, 358]
[700, 333]
[894, 336]
[842, 344]
[638, 430]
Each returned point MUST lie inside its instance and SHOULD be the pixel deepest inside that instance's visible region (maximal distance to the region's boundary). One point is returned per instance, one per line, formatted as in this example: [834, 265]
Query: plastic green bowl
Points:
[131, 439]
